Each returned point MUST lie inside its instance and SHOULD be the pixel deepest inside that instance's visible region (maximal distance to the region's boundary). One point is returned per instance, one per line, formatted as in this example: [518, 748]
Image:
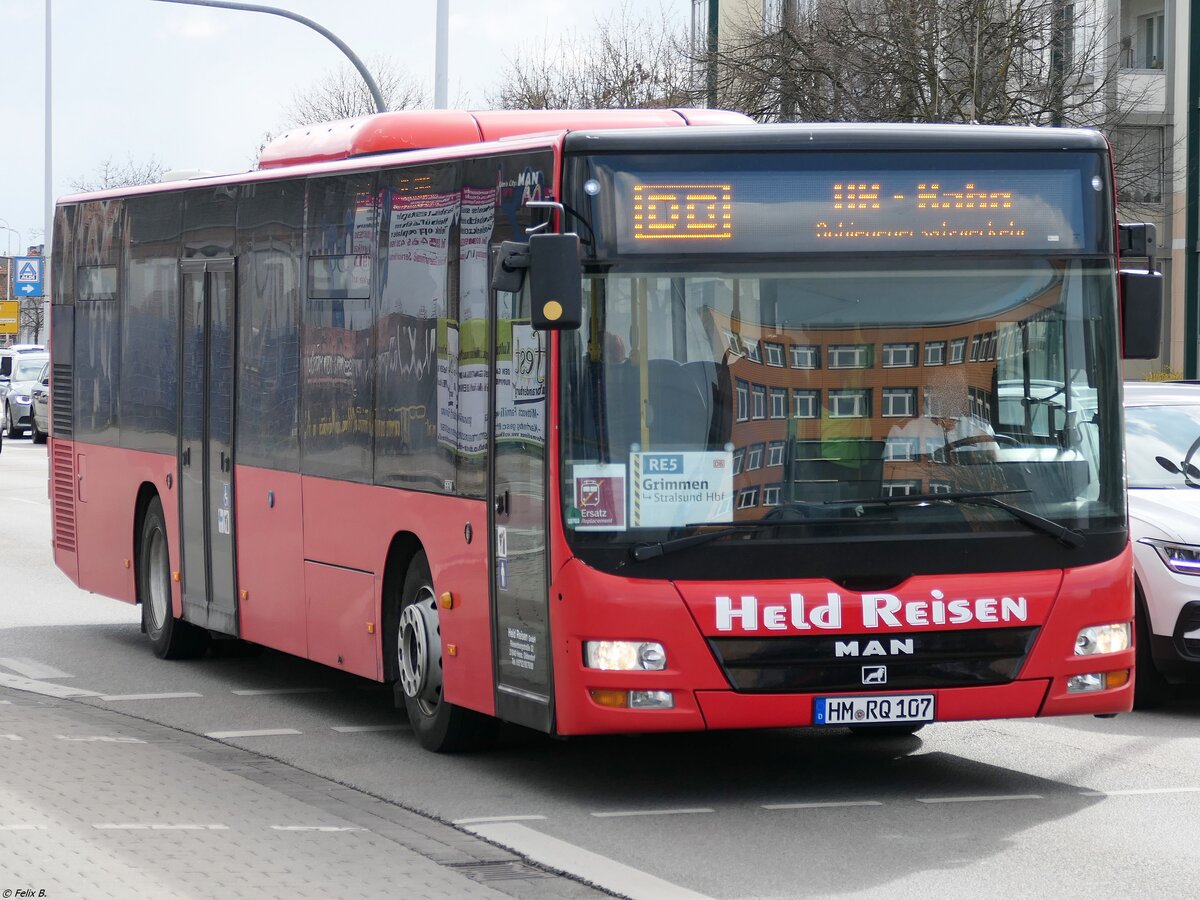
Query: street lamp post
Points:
[376, 95]
[11, 231]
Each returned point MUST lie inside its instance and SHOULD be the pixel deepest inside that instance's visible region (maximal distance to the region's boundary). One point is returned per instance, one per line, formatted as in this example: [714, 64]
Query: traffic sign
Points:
[10, 316]
[27, 276]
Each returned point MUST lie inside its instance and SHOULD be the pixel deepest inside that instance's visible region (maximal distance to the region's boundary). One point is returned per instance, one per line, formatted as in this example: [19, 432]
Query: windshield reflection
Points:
[706, 398]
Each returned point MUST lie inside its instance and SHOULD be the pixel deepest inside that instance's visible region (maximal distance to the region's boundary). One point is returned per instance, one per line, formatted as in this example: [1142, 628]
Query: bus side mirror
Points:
[511, 263]
[1141, 313]
[555, 284]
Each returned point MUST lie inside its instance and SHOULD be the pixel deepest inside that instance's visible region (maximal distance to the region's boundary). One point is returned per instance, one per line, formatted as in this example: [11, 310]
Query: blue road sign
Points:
[27, 276]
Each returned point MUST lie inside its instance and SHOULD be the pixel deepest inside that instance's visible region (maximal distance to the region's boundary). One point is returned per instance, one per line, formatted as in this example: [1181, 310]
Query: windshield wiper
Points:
[976, 498]
[651, 549]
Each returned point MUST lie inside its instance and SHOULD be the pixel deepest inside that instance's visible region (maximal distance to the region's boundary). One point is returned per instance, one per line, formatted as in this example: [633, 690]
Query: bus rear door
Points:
[206, 403]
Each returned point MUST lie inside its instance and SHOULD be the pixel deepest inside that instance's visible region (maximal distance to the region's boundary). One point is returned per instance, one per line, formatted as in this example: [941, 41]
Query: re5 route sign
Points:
[27, 276]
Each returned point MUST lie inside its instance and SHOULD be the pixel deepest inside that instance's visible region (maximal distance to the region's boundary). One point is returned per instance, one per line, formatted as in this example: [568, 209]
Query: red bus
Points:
[616, 421]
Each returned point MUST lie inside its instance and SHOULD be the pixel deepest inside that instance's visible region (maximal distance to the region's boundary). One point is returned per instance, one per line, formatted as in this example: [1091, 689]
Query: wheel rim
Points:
[419, 652]
[158, 579]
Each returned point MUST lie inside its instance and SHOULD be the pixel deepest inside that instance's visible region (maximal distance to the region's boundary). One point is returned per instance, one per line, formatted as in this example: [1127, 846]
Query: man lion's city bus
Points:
[618, 421]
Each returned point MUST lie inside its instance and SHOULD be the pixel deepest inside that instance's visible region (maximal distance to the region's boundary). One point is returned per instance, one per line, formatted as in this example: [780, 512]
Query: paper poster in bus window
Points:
[671, 489]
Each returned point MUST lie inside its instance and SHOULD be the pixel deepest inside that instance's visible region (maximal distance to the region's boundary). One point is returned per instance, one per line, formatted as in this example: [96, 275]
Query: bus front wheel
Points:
[171, 638]
[439, 726]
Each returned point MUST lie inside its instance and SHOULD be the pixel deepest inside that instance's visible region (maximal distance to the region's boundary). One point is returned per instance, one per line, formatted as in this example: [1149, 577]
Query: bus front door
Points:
[520, 602]
[206, 403]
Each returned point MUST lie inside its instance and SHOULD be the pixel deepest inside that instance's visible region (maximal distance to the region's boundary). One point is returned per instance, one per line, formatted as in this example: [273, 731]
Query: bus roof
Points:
[422, 129]
[839, 136]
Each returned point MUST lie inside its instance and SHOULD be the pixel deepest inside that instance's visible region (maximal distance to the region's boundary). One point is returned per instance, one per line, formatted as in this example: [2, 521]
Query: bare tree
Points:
[111, 174]
[33, 318]
[1034, 62]
[342, 94]
[626, 60]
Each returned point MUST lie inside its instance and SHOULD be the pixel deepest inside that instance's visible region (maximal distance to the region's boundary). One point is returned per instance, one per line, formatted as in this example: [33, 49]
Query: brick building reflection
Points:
[823, 414]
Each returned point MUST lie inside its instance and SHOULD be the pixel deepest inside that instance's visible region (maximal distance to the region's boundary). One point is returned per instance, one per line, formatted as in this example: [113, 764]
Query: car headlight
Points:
[1181, 558]
[21, 398]
[624, 656]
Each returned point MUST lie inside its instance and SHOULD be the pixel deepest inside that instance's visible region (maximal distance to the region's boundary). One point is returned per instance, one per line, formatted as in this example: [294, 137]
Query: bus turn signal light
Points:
[1116, 679]
[614, 699]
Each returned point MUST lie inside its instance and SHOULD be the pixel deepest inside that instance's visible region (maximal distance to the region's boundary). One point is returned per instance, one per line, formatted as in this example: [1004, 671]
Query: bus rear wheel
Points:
[170, 638]
[439, 726]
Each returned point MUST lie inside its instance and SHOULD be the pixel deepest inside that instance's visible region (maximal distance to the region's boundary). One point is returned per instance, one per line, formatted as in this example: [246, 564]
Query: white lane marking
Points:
[30, 502]
[157, 827]
[599, 870]
[11, 737]
[830, 805]
[46, 688]
[317, 828]
[22, 827]
[360, 729]
[262, 732]
[1132, 792]
[480, 820]
[179, 695]
[263, 692]
[982, 799]
[31, 668]
[651, 812]
[100, 739]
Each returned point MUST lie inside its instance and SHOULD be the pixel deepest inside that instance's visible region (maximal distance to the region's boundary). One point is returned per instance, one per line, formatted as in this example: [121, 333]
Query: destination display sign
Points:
[839, 207]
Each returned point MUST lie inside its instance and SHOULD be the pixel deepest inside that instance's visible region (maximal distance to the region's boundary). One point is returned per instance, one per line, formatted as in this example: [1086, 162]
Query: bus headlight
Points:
[1103, 639]
[624, 656]
[1183, 559]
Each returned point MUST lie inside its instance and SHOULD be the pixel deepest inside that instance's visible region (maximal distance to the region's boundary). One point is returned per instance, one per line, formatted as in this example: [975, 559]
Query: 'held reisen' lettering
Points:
[878, 611]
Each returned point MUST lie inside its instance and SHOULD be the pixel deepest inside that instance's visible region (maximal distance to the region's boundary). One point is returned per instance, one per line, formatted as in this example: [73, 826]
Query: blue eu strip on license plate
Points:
[873, 710]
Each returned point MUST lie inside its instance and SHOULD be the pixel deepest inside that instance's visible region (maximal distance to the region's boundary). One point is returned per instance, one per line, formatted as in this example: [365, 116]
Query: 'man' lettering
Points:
[896, 647]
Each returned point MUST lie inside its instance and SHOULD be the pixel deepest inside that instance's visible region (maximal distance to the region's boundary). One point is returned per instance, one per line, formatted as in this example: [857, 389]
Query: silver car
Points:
[26, 369]
[39, 407]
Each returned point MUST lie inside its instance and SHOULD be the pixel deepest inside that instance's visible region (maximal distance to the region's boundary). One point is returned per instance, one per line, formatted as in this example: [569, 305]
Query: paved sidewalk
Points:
[95, 803]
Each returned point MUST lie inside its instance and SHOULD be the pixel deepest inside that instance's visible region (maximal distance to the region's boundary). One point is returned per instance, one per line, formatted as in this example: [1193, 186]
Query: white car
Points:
[1162, 458]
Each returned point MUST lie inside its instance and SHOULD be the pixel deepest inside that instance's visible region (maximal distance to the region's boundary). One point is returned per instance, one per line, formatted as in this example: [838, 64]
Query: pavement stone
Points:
[96, 803]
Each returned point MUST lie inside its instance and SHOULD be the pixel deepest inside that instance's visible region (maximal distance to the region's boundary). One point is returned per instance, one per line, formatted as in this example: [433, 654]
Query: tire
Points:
[36, 434]
[1150, 689]
[13, 430]
[417, 646]
[170, 638]
[904, 729]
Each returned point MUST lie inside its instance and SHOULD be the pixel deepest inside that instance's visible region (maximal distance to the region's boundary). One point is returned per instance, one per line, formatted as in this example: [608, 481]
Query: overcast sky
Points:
[197, 88]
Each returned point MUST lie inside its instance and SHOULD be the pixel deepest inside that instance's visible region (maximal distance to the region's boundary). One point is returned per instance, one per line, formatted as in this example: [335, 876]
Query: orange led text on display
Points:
[928, 195]
[691, 211]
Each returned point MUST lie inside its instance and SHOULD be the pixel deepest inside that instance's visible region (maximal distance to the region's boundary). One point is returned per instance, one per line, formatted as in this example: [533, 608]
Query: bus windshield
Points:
[694, 399]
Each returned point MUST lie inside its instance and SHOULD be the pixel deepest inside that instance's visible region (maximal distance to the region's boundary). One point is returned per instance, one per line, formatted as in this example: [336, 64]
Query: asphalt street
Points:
[1044, 808]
